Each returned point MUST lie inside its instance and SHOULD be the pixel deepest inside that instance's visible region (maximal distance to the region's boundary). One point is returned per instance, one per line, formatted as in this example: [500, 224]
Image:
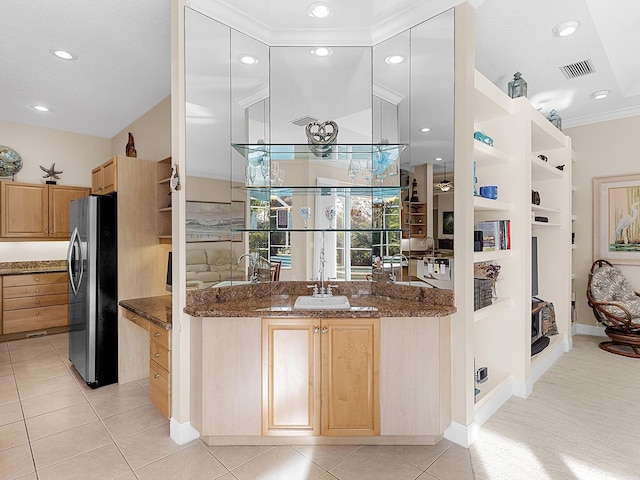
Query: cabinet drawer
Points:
[35, 279]
[135, 318]
[160, 335]
[160, 355]
[28, 319]
[35, 302]
[34, 290]
[160, 387]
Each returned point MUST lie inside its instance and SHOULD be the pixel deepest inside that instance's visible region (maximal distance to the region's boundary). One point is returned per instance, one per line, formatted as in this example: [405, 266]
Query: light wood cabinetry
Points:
[159, 361]
[36, 211]
[34, 302]
[163, 200]
[414, 219]
[104, 179]
[60, 198]
[321, 377]
[160, 368]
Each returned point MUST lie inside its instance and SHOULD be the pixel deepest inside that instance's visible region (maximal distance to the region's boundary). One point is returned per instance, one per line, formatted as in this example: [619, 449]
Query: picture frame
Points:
[447, 223]
[214, 221]
[616, 219]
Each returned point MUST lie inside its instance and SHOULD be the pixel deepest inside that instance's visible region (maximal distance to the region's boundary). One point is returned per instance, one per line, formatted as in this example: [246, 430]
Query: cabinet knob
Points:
[156, 376]
[37, 302]
[156, 355]
[316, 329]
[37, 279]
[37, 313]
[37, 290]
[156, 334]
[325, 330]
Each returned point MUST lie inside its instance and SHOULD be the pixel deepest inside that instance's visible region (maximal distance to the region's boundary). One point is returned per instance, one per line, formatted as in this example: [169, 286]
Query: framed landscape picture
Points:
[214, 222]
[616, 219]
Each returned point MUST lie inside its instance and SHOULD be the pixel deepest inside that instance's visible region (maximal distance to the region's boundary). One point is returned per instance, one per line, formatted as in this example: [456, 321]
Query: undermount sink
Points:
[338, 302]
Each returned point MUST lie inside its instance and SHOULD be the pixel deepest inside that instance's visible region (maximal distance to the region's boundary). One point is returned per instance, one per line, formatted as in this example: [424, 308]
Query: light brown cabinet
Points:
[36, 211]
[321, 376]
[160, 368]
[104, 179]
[34, 302]
[159, 361]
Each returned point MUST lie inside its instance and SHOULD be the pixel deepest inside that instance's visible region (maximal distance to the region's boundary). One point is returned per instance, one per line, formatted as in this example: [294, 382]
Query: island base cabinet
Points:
[320, 377]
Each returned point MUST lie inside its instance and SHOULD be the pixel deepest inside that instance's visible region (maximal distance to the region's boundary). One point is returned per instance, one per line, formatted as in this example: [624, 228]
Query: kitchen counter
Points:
[276, 299]
[30, 267]
[155, 309]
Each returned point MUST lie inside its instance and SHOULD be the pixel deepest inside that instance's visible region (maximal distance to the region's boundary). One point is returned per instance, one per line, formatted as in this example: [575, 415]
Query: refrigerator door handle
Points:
[75, 250]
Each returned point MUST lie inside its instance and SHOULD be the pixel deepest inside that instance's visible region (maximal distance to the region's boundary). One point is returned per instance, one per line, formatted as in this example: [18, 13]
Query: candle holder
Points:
[517, 86]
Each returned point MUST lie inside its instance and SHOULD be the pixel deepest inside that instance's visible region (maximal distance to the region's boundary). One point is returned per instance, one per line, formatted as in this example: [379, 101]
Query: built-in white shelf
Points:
[492, 255]
[487, 155]
[489, 102]
[546, 224]
[541, 170]
[542, 208]
[496, 381]
[499, 304]
[482, 203]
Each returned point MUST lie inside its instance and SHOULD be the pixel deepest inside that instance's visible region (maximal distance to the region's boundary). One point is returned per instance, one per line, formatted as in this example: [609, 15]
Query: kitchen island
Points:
[375, 373]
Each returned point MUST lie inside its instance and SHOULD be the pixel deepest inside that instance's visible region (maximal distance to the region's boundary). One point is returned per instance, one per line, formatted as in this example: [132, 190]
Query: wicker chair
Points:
[617, 306]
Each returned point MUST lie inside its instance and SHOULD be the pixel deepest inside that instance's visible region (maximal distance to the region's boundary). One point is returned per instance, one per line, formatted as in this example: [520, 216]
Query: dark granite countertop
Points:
[276, 299]
[154, 309]
[29, 267]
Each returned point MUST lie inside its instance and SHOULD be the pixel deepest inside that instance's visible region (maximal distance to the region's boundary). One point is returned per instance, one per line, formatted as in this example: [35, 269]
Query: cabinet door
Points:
[97, 184]
[60, 198]
[291, 377]
[109, 177]
[25, 210]
[350, 377]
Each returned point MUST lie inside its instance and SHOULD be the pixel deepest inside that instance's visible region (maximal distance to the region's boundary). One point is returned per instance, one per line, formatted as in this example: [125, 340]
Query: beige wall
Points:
[76, 155]
[603, 149]
[151, 133]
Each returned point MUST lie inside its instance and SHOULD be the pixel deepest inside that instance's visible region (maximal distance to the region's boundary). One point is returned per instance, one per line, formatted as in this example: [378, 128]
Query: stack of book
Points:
[496, 235]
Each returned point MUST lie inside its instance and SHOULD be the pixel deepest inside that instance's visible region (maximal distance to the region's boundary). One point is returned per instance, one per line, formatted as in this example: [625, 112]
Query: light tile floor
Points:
[53, 427]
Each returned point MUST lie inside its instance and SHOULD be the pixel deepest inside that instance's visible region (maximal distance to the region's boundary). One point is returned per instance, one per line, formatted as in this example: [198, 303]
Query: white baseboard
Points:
[465, 435]
[182, 433]
[593, 330]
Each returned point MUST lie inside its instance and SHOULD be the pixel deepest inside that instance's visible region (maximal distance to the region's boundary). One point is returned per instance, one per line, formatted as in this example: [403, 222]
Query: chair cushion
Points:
[609, 285]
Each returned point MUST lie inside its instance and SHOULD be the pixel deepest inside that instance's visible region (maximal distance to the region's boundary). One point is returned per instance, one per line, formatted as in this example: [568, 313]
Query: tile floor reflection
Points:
[52, 427]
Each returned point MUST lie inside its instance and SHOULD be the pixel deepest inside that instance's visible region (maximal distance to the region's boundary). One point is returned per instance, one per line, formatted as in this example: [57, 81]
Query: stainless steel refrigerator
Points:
[92, 261]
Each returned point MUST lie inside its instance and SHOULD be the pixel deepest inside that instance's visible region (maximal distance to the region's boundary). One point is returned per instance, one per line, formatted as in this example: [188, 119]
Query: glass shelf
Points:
[341, 191]
[254, 152]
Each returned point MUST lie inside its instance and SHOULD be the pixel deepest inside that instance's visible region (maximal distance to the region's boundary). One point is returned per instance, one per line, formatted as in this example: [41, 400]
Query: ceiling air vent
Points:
[578, 69]
[304, 121]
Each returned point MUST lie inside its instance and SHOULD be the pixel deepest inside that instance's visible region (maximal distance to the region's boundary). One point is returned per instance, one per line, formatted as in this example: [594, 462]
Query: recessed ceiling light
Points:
[438, 159]
[600, 94]
[64, 54]
[394, 59]
[566, 28]
[248, 59]
[425, 129]
[320, 10]
[41, 108]
[322, 51]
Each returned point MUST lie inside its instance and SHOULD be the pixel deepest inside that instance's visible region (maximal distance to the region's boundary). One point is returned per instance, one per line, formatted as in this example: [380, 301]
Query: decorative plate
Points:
[10, 161]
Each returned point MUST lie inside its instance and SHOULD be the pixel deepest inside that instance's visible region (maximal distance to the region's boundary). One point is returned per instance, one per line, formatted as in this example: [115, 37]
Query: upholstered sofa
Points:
[208, 266]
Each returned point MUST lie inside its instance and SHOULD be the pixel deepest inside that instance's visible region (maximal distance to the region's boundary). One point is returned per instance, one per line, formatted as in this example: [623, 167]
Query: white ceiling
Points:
[123, 47]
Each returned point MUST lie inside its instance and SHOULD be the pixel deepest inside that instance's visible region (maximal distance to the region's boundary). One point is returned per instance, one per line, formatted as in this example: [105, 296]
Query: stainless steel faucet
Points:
[433, 245]
[253, 263]
[392, 276]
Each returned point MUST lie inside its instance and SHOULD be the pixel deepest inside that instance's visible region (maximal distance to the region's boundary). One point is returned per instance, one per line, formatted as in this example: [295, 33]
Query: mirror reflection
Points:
[363, 208]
